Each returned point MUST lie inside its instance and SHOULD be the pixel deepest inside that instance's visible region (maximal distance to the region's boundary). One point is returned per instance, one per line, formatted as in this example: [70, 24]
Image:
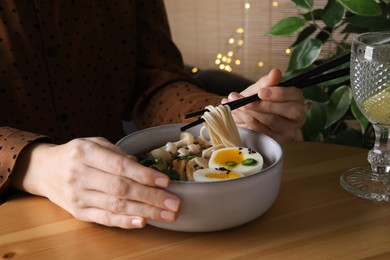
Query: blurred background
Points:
[230, 35]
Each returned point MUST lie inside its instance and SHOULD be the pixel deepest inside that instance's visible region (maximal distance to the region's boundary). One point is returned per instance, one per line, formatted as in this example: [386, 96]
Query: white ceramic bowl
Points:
[212, 206]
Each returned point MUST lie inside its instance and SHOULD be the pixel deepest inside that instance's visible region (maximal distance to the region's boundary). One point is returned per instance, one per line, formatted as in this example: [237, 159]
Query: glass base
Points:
[362, 182]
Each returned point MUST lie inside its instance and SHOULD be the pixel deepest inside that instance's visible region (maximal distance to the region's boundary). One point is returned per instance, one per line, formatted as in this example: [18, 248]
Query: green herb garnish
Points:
[230, 163]
[249, 162]
[172, 174]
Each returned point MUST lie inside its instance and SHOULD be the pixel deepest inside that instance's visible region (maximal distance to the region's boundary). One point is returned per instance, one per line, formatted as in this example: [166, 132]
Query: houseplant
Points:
[331, 107]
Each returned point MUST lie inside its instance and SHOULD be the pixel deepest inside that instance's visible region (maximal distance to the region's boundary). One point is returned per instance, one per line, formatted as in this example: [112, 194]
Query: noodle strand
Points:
[221, 127]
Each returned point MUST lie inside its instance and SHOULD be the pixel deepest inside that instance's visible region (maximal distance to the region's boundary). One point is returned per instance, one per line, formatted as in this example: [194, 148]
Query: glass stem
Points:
[379, 156]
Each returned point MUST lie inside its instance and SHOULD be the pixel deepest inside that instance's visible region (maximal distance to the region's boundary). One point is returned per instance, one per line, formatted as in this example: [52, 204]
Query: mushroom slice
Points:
[160, 153]
[180, 167]
[193, 165]
[202, 162]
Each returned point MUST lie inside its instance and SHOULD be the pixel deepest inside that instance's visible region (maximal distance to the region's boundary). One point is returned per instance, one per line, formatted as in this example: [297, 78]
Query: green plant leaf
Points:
[315, 122]
[373, 23]
[362, 7]
[304, 4]
[304, 54]
[316, 14]
[309, 134]
[338, 81]
[338, 105]
[333, 13]
[304, 34]
[334, 82]
[315, 94]
[353, 29]
[287, 26]
[363, 121]
[324, 34]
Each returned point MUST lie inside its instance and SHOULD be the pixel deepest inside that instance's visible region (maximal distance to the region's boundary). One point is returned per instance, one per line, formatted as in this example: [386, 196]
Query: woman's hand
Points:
[96, 182]
[279, 114]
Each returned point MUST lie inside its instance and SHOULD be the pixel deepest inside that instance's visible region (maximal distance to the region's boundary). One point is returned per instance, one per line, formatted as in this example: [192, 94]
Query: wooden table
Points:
[312, 218]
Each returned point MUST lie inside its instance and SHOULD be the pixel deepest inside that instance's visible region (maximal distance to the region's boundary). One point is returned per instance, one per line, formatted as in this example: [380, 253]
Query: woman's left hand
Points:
[279, 113]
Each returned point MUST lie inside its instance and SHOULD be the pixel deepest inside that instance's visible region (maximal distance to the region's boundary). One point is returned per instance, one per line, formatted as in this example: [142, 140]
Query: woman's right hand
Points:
[96, 182]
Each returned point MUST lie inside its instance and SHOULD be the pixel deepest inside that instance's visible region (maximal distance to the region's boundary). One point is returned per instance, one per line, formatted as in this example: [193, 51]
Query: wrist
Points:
[29, 168]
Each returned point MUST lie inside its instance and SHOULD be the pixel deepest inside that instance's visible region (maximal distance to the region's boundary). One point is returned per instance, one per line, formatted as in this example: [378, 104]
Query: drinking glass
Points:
[370, 83]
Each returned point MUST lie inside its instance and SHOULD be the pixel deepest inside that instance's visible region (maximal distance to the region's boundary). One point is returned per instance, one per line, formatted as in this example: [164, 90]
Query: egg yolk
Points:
[224, 175]
[229, 157]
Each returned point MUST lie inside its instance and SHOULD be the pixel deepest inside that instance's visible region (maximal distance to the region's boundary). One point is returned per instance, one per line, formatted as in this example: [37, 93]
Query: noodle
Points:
[222, 129]
[193, 159]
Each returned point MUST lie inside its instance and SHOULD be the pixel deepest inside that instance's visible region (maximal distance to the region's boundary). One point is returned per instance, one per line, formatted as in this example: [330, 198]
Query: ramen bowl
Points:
[213, 206]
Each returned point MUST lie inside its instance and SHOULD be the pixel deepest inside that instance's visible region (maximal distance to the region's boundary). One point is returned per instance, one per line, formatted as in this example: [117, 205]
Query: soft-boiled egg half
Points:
[237, 159]
[208, 175]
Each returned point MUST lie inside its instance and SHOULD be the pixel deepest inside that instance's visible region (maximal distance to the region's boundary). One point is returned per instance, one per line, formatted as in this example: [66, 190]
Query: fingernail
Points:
[265, 93]
[161, 182]
[172, 204]
[234, 96]
[167, 215]
[136, 222]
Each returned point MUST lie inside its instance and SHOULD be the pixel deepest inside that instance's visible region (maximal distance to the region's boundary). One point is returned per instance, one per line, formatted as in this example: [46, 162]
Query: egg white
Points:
[231, 158]
[210, 175]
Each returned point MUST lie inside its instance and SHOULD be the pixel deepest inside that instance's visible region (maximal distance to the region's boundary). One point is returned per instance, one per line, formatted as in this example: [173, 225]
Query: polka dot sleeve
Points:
[12, 142]
[167, 92]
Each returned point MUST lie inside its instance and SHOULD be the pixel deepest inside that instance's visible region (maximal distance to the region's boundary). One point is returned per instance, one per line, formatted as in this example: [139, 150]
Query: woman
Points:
[71, 72]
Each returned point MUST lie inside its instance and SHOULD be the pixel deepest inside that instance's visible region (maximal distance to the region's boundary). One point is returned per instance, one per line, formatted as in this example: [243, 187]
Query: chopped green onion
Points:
[249, 162]
[231, 163]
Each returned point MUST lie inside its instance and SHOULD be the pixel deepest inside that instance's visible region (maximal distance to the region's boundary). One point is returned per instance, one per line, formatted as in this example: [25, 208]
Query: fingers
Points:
[105, 143]
[280, 112]
[126, 188]
[289, 110]
[114, 205]
[272, 79]
[96, 181]
[117, 201]
[110, 219]
[281, 94]
[105, 158]
[284, 102]
[279, 128]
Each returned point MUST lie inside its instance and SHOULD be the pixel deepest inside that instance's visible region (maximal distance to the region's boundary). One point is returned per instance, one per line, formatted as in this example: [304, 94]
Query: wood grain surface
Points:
[312, 218]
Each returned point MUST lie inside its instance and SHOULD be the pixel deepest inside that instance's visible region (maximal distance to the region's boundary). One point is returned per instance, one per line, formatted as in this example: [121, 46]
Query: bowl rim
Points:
[262, 172]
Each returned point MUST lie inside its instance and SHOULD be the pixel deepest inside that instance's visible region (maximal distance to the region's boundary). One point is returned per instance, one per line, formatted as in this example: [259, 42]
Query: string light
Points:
[235, 42]
[194, 70]
[288, 51]
[226, 60]
[240, 30]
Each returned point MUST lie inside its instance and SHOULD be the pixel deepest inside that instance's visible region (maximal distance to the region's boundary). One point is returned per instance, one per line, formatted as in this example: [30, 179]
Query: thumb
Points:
[273, 78]
[232, 96]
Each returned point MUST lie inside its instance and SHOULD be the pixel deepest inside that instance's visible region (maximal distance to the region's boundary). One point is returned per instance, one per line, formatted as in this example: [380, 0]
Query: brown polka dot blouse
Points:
[73, 69]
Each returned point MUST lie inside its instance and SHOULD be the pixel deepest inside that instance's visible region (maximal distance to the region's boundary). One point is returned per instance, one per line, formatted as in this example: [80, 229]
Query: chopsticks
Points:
[303, 80]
